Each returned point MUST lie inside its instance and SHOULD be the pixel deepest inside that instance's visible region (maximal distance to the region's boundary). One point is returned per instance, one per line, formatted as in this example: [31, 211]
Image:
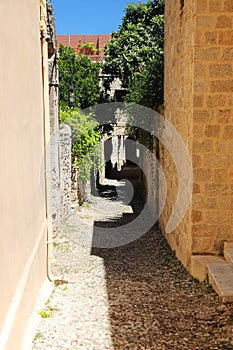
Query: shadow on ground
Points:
[153, 301]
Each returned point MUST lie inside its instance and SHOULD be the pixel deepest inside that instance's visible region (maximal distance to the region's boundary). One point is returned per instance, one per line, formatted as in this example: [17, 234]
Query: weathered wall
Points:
[65, 170]
[59, 145]
[198, 102]
[212, 220]
[53, 144]
[23, 232]
[179, 27]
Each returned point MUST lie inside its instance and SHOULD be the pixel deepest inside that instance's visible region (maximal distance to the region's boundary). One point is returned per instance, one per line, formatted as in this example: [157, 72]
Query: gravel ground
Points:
[137, 296]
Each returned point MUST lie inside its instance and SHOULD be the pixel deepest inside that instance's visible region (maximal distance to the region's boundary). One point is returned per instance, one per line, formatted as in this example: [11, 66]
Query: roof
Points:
[76, 42]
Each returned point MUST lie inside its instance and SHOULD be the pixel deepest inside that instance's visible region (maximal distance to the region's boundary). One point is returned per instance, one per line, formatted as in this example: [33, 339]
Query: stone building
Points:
[199, 103]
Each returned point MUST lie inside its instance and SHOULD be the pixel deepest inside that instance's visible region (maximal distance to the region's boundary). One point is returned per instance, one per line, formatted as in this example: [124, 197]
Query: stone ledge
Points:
[199, 265]
[227, 245]
[228, 255]
[221, 278]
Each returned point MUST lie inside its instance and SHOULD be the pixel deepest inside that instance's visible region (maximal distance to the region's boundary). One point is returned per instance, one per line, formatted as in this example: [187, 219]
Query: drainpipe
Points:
[47, 161]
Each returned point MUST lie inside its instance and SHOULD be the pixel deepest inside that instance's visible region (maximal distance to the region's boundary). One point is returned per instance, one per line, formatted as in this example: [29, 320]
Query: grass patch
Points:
[45, 313]
[38, 335]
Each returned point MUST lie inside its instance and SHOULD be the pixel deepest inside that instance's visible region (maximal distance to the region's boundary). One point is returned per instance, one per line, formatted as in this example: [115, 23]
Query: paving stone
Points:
[136, 296]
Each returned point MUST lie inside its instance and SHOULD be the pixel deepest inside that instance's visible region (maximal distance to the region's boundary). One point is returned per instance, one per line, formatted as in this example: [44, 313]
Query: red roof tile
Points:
[75, 41]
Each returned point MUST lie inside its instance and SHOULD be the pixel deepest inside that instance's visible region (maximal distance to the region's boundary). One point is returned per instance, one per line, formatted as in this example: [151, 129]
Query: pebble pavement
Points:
[136, 296]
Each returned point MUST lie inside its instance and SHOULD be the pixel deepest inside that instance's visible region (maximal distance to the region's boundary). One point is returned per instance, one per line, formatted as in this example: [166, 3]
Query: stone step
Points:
[199, 265]
[228, 255]
[221, 278]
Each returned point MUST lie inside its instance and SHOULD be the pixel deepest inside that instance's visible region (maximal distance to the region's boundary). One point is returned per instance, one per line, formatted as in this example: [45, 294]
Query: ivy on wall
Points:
[86, 146]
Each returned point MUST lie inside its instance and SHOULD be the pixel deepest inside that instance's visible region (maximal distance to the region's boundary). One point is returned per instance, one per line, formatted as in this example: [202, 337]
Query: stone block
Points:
[200, 86]
[227, 54]
[224, 22]
[202, 245]
[211, 38]
[216, 101]
[228, 5]
[200, 70]
[201, 116]
[217, 160]
[224, 146]
[201, 174]
[198, 101]
[215, 189]
[221, 175]
[230, 176]
[228, 132]
[205, 22]
[201, 6]
[204, 230]
[221, 278]
[212, 130]
[204, 202]
[196, 188]
[224, 116]
[224, 232]
[210, 54]
[215, 5]
[196, 216]
[228, 254]
[227, 245]
[230, 101]
[199, 265]
[203, 145]
[219, 86]
[226, 37]
[198, 130]
[218, 216]
[223, 203]
[196, 161]
[220, 70]
[199, 38]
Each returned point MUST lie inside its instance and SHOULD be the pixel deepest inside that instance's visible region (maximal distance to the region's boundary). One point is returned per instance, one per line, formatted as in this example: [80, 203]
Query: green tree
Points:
[80, 76]
[135, 54]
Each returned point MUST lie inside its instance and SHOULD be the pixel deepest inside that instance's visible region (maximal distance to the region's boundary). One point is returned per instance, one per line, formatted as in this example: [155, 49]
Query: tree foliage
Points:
[135, 54]
[79, 75]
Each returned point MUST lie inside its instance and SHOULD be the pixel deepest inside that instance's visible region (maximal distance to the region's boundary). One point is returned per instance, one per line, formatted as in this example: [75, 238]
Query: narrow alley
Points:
[136, 296]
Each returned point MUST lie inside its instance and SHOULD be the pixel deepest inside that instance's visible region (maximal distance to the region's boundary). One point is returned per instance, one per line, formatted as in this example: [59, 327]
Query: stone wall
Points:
[179, 28]
[199, 103]
[54, 118]
[60, 136]
[212, 221]
[65, 170]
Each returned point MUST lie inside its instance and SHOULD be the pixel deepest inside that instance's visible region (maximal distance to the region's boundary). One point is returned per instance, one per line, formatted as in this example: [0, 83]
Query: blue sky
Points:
[88, 16]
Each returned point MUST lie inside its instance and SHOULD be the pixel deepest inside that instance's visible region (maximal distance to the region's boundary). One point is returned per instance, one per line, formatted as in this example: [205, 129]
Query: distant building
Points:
[91, 45]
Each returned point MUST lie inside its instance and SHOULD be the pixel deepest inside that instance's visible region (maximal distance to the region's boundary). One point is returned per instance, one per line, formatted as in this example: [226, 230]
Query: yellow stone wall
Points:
[199, 103]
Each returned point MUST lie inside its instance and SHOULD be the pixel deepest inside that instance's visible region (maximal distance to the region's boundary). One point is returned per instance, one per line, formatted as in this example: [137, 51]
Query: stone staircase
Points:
[219, 271]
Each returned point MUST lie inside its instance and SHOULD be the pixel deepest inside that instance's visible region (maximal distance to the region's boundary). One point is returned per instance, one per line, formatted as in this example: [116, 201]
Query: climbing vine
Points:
[86, 147]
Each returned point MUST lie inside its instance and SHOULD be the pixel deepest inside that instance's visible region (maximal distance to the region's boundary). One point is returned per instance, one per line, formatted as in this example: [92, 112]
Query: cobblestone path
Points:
[137, 296]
